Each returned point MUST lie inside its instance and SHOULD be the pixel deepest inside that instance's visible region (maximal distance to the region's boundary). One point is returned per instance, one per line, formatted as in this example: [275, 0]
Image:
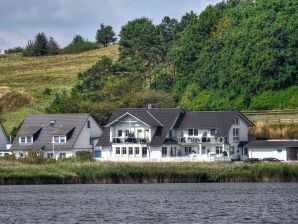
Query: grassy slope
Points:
[33, 74]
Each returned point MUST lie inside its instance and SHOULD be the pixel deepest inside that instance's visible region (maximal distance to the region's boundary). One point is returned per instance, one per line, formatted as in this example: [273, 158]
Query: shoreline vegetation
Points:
[94, 172]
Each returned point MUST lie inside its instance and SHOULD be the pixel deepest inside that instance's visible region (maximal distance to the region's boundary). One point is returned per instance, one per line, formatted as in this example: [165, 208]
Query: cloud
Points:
[21, 20]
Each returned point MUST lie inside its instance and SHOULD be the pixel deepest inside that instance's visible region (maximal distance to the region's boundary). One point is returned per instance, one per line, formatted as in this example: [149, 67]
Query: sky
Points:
[20, 20]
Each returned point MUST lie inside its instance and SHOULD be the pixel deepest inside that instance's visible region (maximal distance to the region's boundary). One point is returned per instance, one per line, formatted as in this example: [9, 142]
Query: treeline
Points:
[237, 54]
[43, 45]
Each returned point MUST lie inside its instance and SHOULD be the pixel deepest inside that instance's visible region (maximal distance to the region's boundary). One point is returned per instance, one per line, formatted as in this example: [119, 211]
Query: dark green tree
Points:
[105, 35]
[53, 47]
[40, 44]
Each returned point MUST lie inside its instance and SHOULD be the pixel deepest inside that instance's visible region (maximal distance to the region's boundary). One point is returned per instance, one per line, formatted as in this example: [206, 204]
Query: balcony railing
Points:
[192, 140]
[130, 140]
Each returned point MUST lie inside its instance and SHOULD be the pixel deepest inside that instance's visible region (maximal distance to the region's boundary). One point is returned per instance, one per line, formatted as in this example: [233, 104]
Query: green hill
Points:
[32, 75]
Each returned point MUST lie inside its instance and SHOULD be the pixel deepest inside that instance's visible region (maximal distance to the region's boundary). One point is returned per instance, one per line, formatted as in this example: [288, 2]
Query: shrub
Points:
[79, 47]
[14, 100]
[14, 50]
[84, 156]
[47, 91]
[10, 157]
[35, 156]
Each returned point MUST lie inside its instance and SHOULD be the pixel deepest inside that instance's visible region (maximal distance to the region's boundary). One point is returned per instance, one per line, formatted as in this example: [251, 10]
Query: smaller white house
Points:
[3, 142]
[57, 135]
[286, 150]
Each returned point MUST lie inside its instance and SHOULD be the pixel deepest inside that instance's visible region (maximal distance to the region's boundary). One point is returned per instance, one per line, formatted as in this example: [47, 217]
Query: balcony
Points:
[192, 140]
[130, 140]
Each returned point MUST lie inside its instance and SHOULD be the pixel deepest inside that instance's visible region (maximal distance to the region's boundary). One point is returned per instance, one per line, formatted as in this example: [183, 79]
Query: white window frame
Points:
[26, 138]
[61, 139]
[236, 135]
[164, 151]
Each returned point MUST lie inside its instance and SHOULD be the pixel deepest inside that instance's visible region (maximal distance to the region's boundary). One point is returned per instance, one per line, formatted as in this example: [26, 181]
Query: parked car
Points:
[252, 160]
[270, 160]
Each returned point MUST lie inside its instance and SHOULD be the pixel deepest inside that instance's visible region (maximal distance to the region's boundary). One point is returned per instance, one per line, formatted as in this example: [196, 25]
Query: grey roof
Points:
[2, 128]
[220, 120]
[272, 143]
[63, 124]
[162, 118]
[29, 130]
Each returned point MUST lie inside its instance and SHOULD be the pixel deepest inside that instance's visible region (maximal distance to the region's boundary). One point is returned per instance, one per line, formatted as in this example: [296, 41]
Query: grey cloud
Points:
[20, 20]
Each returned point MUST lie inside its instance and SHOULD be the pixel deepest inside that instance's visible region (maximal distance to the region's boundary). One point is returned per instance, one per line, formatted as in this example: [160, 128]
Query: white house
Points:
[57, 135]
[173, 135]
[286, 150]
[3, 142]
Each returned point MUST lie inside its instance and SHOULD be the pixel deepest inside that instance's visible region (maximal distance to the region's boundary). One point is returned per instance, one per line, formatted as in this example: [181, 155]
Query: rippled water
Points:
[163, 203]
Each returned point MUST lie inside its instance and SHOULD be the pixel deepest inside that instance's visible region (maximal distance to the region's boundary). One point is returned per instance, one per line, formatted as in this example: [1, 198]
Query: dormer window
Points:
[59, 139]
[88, 124]
[213, 132]
[236, 120]
[26, 139]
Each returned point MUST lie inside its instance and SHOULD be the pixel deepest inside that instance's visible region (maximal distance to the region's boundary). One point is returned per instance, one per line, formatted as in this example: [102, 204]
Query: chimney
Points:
[149, 106]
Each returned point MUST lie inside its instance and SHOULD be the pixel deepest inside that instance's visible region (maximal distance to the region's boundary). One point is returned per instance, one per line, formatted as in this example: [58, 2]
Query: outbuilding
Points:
[286, 150]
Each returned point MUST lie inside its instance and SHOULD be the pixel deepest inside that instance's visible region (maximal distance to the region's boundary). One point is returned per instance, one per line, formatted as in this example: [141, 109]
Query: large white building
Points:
[173, 134]
[57, 135]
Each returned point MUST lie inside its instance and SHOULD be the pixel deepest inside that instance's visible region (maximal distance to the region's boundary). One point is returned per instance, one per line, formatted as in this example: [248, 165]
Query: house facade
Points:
[57, 135]
[173, 134]
[3, 142]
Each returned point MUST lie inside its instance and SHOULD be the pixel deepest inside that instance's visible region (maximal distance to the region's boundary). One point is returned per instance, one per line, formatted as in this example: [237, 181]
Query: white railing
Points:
[192, 140]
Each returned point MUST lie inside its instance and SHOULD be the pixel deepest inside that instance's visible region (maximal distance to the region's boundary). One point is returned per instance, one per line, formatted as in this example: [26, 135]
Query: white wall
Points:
[267, 152]
[3, 139]
[83, 141]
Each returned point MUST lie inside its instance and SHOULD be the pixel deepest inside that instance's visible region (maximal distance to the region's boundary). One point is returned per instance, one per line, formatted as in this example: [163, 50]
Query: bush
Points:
[14, 50]
[14, 100]
[10, 157]
[75, 48]
[83, 156]
[35, 156]
[47, 91]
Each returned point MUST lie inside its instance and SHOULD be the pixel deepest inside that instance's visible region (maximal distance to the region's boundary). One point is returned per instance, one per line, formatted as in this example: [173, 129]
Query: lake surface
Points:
[151, 203]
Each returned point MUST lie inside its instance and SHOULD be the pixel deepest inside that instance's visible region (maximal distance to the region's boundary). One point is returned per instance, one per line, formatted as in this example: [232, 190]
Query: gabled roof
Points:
[271, 143]
[219, 120]
[64, 123]
[162, 118]
[142, 115]
[3, 130]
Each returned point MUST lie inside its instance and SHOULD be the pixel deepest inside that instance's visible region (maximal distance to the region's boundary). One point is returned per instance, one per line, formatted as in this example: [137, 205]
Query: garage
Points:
[286, 150]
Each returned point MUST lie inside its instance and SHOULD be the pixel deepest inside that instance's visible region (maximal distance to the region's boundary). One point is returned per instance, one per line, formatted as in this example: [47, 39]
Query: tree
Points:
[139, 44]
[77, 39]
[105, 35]
[40, 44]
[53, 47]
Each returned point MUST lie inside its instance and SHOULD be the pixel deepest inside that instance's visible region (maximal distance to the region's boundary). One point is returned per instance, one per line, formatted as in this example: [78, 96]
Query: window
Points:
[137, 150]
[144, 151]
[196, 132]
[213, 132]
[147, 134]
[164, 151]
[126, 133]
[50, 155]
[124, 150]
[187, 150]
[117, 151]
[26, 140]
[236, 120]
[245, 151]
[119, 133]
[217, 150]
[235, 135]
[279, 150]
[190, 132]
[88, 124]
[139, 134]
[203, 150]
[59, 139]
[62, 155]
[130, 150]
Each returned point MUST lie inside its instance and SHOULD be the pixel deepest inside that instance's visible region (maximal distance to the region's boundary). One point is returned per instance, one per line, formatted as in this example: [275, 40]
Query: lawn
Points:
[33, 74]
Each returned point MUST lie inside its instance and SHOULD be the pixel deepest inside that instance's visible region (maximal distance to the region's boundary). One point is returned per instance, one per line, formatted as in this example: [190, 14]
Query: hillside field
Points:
[33, 75]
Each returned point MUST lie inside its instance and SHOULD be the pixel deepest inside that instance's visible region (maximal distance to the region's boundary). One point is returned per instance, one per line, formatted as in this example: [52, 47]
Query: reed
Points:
[73, 172]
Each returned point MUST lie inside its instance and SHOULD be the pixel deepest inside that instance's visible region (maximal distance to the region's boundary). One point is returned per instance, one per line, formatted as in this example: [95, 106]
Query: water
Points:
[162, 203]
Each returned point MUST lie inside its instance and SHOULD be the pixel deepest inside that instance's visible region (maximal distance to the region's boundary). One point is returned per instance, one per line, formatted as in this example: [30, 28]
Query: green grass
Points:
[111, 172]
[33, 74]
